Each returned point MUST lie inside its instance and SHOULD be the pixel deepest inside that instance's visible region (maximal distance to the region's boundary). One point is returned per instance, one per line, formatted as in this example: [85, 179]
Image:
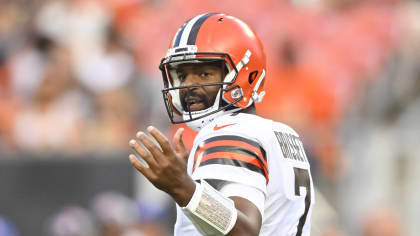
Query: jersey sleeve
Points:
[231, 157]
[252, 194]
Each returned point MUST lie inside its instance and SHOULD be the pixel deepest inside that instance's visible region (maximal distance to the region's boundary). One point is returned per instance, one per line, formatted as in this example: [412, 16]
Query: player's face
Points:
[199, 98]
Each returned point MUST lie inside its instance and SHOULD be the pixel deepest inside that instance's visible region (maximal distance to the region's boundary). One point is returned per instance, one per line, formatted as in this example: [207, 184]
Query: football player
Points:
[245, 175]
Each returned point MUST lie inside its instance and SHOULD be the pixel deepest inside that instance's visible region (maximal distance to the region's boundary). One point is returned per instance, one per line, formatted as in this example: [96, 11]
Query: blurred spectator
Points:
[112, 122]
[115, 212]
[27, 66]
[72, 220]
[79, 25]
[380, 133]
[12, 28]
[111, 69]
[53, 119]
[7, 228]
[108, 77]
[325, 218]
[9, 110]
[119, 215]
[382, 222]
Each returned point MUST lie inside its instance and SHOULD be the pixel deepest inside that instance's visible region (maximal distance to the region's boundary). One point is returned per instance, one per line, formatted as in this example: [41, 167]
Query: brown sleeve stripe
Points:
[233, 156]
[233, 162]
[233, 153]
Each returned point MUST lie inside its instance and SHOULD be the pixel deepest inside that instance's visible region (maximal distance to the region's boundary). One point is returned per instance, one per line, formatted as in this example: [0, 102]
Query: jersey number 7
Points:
[302, 180]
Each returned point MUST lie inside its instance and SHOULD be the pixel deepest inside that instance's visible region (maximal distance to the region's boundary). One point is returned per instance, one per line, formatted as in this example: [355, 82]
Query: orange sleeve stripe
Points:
[236, 156]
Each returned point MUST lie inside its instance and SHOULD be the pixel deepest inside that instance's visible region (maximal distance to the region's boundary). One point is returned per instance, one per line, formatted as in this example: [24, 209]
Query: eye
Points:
[181, 77]
[205, 74]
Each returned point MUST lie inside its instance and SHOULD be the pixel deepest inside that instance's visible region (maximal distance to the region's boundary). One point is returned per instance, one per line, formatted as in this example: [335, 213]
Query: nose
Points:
[191, 79]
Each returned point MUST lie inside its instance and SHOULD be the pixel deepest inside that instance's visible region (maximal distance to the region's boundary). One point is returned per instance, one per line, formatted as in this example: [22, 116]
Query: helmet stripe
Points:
[187, 30]
[188, 24]
[196, 27]
[189, 34]
[178, 36]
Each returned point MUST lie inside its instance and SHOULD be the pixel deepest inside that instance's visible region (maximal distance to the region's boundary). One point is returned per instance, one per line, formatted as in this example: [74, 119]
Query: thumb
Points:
[179, 145]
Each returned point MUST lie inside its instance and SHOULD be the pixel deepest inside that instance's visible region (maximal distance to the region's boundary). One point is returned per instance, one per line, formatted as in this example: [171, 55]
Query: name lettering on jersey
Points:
[291, 146]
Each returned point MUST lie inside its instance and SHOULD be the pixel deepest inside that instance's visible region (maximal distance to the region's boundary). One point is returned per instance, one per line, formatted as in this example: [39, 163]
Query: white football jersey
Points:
[258, 154]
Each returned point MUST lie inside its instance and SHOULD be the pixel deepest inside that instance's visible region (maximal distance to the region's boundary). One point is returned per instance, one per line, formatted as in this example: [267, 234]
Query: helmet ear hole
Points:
[252, 76]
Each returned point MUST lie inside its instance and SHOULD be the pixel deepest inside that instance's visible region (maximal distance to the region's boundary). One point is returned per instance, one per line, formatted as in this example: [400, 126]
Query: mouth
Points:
[194, 104]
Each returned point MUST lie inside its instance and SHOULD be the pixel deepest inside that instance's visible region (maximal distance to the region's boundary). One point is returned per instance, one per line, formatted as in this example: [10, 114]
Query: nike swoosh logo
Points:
[223, 126]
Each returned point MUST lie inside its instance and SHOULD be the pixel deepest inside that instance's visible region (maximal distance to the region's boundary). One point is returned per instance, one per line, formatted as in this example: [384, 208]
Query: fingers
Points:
[143, 153]
[151, 146]
[179, 144]
[161, 139]
[139, 166]
[154, 155]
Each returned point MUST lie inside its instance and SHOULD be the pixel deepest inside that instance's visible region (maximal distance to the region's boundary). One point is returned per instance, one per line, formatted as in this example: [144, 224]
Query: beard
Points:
[193, 101]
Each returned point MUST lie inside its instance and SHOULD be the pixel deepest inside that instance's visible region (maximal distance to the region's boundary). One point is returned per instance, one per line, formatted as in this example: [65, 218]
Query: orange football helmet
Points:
[215, 37]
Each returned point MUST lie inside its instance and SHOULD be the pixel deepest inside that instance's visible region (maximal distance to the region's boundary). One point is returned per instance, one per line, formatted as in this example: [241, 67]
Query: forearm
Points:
[248, 223]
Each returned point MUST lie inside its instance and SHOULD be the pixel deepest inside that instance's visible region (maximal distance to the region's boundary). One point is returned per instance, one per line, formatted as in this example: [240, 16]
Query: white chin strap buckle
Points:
[258, 97]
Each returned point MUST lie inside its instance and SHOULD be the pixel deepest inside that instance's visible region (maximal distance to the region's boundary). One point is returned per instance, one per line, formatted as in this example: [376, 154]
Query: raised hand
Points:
[167, 168]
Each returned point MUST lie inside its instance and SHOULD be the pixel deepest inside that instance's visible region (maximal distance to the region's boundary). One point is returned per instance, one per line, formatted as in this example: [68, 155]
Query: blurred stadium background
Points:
[78, 78]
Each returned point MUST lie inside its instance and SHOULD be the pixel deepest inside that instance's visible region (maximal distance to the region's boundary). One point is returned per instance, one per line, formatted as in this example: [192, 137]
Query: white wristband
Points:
[210, 211]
